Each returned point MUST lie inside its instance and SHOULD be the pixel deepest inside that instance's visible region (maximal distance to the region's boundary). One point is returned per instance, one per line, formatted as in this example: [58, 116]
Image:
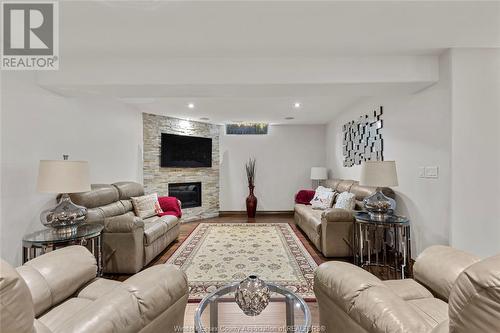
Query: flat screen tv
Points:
[181, 151]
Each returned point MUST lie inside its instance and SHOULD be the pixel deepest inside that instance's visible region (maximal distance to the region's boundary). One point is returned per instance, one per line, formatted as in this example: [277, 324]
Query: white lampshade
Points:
[318, 173]
[62, 176]
[379, 174]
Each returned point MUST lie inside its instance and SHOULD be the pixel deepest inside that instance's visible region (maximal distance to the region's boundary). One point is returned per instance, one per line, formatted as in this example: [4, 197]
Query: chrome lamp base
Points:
[65, 217]
[379, 206]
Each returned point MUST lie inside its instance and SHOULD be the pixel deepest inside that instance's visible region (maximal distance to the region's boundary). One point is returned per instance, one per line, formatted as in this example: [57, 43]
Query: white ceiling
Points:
[279, 28]
[99, 33]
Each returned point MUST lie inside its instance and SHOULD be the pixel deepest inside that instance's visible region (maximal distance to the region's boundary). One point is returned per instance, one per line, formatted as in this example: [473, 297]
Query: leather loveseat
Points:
[330, 230]
[129, 243]
[59, 292]
[452, 291]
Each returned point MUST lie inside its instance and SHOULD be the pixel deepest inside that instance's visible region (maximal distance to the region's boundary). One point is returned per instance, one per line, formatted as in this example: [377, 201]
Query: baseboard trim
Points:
[225, 213]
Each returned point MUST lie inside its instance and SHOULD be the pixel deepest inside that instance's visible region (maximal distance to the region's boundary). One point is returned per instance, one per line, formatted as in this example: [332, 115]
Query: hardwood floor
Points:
[273, 315]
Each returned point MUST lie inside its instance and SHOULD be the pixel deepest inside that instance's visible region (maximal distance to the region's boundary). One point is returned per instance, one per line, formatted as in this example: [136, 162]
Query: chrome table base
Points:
[386, 245]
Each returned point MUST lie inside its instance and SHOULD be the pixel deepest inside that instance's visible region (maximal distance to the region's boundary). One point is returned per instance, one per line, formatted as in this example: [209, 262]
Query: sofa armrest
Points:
[437, 268]
[365, 299]
[180, 203]
[338, 215]
[122, 223]
[157, 288]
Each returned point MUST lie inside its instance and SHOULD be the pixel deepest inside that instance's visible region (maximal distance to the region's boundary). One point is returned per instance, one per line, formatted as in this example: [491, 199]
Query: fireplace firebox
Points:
[188, 193]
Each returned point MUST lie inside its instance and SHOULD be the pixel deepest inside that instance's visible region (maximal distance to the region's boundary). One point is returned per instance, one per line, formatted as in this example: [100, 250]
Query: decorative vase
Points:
[252, 295]
[251, 202]
[379, 206]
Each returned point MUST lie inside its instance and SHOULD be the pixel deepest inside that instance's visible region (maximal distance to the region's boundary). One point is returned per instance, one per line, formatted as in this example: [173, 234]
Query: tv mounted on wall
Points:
[182, 151]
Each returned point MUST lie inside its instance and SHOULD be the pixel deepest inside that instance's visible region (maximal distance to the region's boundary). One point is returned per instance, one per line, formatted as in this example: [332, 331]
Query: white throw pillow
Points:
[146, 206]
[323, 198]
[346, 200]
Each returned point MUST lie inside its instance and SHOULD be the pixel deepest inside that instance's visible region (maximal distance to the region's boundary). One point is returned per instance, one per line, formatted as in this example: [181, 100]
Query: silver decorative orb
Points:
[65, 217]
[379, 206]
[252, 295]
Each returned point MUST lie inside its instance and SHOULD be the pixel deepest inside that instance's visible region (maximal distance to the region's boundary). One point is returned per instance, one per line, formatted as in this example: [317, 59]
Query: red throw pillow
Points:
[304, 197]
[170, 206]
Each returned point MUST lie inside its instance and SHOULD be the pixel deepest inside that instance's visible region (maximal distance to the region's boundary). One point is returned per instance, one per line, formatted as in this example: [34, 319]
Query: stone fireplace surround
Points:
[156, 178]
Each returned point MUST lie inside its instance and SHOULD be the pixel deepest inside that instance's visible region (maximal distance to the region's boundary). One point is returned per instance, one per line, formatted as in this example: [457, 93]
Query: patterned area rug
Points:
[216, 254]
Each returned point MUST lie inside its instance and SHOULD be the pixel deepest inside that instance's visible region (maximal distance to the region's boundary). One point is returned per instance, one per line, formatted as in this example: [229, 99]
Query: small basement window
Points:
[246, 128]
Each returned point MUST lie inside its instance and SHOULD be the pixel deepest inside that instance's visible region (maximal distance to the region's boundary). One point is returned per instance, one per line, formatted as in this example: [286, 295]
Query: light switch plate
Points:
[421, 172]
[431, 172]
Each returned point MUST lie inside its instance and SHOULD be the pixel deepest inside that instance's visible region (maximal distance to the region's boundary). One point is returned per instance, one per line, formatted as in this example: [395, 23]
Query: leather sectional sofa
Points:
[331, 230]
[129, 243]
[59, 292]
[452, 291]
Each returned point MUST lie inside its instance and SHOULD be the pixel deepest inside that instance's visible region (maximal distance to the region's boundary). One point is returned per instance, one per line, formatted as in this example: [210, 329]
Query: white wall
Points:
[416, 133]
[37, 124]
[284, 160]
[475, 187]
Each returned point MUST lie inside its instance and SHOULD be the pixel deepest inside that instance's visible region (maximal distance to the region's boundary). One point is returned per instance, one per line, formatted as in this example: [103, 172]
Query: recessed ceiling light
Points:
[204, 118]
[191, 105]
[289, 118]
[297, 105]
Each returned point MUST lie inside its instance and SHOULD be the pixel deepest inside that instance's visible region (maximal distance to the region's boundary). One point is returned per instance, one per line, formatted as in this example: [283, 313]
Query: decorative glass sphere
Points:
[252, 295]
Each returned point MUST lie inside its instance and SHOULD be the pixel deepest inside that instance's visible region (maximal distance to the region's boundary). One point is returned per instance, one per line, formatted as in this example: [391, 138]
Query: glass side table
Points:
[384, 244]
[42, 241]
[218, 312]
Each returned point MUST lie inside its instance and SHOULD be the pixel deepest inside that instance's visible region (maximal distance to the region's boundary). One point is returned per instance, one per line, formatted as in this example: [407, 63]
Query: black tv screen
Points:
[181, 151]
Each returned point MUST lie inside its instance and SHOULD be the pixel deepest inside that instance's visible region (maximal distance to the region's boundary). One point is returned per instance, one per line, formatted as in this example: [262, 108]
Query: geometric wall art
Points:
[363, 139]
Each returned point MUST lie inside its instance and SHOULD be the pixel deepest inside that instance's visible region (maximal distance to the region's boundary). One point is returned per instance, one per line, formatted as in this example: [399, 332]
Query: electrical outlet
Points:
[431, 172]
[421, 172]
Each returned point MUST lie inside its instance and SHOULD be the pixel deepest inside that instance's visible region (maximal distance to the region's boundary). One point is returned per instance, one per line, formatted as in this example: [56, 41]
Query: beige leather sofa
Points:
[331, 230]
[453, 291]
[129, 243]
[59, 292]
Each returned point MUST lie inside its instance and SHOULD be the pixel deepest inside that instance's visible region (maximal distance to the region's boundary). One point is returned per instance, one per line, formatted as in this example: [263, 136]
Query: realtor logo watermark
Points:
[30, 32]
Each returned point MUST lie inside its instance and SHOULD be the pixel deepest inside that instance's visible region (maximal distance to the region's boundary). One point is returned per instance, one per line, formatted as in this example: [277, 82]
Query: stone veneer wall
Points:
[156, 179]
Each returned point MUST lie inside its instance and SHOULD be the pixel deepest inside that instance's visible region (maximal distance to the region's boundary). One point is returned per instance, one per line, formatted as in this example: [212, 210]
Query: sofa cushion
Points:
[312, 216]
[331, 183]
[99, 195]
[304, 197]
[155, 227]
[112, 209]
[58, 274]
[97, 288]
[146, 206]
[57, 317]
[169, 206]
[345, 200]
[323, 198]
[126, 190]
[345, 185]
[408, 289]
[433, 310]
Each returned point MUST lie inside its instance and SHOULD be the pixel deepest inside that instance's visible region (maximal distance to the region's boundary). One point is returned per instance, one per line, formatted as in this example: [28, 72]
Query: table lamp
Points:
[318, 173]
[63, 176]
[379, 174]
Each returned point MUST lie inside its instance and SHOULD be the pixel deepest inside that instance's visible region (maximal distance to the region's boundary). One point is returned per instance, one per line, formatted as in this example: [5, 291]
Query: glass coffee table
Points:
[286, 312]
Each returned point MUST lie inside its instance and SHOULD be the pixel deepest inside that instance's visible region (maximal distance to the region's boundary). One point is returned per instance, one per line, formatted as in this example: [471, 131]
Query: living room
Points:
[395, 102]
